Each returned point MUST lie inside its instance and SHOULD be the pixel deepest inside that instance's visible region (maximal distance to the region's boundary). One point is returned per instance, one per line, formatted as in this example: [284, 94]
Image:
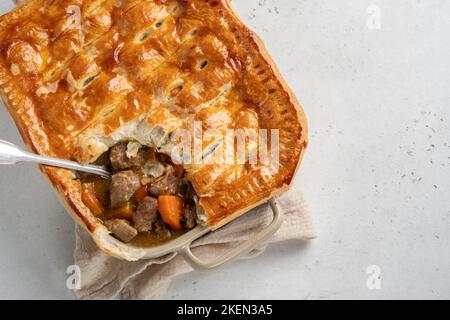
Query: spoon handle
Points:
[12, 154]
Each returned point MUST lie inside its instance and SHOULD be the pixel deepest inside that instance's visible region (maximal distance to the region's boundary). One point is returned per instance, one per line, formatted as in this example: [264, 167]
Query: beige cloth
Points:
[104, 277]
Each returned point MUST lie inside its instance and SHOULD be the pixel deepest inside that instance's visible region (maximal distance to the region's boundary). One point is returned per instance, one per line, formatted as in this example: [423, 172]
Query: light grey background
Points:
[376, 174]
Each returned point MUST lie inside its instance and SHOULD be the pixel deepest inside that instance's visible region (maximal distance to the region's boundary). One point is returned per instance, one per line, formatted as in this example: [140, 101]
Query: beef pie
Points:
[116, 82]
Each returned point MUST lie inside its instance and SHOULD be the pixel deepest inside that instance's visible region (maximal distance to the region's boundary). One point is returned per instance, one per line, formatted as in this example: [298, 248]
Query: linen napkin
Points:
[104, 277]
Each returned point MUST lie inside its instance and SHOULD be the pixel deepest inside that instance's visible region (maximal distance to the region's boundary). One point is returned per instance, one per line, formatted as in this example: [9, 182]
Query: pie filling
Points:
[148, 199]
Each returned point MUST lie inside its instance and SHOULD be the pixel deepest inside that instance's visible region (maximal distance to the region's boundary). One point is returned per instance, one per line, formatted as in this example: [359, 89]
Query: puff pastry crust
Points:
[79, 76]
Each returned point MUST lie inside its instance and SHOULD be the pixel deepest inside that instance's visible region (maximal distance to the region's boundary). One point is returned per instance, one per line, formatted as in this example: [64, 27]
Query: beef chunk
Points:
[146, 214]
[189, 217]
[121, 159]
[123, 185]
[121, 229]
[161, 230]
[167, 185]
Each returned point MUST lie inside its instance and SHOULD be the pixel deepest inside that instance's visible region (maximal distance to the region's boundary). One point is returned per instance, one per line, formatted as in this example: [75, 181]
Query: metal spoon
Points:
[12, 154]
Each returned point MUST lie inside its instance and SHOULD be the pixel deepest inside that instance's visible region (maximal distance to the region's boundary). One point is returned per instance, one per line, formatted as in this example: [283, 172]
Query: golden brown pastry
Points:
[80, 76]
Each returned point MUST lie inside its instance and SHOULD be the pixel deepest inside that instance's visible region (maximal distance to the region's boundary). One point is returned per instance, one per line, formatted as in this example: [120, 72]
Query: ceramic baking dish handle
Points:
[241, 249]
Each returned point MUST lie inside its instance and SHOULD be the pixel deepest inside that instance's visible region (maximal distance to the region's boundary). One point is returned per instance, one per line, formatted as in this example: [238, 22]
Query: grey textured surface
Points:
[376, 173]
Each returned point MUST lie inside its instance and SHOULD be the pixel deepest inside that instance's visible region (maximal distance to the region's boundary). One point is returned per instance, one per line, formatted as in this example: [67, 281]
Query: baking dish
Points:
[240, 75]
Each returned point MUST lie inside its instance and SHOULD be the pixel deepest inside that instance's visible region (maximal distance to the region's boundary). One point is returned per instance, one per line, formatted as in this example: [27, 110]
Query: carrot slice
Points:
[90, 200]
[123, 212]
[140, 194]
[171, 210]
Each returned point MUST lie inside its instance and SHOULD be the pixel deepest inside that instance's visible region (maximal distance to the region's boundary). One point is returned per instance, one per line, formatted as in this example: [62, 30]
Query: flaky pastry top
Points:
[79, 76]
